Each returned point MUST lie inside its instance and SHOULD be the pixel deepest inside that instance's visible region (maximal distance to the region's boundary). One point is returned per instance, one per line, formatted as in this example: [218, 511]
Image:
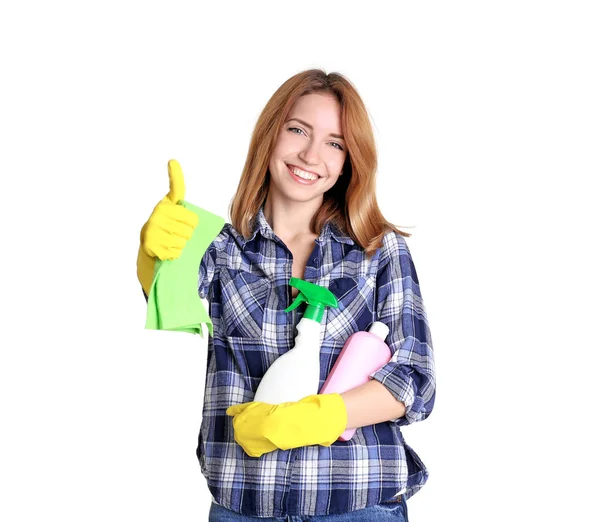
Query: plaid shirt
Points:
[246, 285]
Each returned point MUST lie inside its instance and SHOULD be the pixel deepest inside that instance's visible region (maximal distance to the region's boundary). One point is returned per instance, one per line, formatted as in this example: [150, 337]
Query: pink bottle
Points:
[363, 354]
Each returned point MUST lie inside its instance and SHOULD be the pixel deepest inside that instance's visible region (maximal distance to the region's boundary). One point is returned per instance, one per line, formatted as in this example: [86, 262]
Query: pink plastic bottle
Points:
[363, 354]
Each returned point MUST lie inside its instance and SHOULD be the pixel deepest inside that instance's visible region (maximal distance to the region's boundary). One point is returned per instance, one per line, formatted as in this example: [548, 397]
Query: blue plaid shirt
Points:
[246, 285]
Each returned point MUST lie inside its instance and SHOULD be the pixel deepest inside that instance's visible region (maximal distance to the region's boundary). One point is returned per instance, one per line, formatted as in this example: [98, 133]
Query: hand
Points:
[170, 225]
[260, 428]
[167, 230]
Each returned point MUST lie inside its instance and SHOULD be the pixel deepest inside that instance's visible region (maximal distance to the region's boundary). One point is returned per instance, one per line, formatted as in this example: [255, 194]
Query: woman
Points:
[305, 207]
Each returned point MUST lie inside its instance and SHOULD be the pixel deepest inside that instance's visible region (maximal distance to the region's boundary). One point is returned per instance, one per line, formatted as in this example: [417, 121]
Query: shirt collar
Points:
[329, 230]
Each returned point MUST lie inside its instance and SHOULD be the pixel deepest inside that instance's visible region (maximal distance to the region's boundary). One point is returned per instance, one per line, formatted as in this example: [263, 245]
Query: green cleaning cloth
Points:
[173, 302]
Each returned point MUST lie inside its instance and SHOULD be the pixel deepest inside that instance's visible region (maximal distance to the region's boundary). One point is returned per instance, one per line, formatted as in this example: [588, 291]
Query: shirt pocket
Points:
[244, 296]
[355, 297]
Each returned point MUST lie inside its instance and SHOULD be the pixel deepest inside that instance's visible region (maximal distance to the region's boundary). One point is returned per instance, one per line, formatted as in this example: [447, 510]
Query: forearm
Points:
[145, 270]
[371, 403]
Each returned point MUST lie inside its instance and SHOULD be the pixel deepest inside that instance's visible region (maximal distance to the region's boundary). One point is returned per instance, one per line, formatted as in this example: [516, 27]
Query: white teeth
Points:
[302, 174]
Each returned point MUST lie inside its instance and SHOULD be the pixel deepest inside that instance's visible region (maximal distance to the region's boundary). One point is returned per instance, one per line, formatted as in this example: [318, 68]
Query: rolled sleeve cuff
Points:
[397, 380]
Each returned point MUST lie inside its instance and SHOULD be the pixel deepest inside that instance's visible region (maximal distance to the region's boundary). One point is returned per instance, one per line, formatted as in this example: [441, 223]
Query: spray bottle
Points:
[295, 374]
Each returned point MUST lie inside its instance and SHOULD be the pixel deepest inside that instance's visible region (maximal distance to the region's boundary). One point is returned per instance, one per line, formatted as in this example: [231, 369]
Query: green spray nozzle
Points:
[316, 296]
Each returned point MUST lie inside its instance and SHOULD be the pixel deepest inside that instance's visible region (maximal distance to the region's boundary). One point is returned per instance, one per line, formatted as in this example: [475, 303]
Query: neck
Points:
[290, 219]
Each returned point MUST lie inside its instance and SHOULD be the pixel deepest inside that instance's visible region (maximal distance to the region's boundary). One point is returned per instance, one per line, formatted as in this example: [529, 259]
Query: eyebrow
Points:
[338, 136]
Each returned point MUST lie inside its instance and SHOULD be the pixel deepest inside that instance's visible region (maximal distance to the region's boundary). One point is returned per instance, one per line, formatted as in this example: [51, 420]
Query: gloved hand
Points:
[316, 419]
[167, 230]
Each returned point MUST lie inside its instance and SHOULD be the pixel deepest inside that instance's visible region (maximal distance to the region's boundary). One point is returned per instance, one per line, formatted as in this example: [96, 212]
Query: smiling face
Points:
[310, 151]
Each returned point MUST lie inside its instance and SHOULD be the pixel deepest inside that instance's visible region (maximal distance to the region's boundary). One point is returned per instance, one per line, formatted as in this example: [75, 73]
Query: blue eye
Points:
[297, 130]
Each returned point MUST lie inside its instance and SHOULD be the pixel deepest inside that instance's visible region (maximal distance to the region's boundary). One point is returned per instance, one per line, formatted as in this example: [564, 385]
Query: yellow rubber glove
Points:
[260, 427]
[167, 230]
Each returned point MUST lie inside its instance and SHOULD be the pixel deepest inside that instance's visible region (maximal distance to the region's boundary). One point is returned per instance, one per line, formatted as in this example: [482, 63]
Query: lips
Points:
[301, 176]
[299, 180]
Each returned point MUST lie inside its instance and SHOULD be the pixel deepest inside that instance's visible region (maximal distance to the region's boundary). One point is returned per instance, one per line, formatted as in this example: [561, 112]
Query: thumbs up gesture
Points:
[170, 225]
[167, 230]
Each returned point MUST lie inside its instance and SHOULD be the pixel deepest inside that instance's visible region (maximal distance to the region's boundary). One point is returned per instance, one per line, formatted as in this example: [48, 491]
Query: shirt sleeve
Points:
[410, 374]
[208, 263]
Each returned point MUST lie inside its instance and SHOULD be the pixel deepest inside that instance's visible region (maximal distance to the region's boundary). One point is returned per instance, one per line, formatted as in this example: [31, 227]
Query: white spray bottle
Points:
[295, 374]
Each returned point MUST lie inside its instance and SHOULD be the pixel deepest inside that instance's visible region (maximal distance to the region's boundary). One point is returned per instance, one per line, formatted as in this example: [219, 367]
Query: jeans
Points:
[388, 511]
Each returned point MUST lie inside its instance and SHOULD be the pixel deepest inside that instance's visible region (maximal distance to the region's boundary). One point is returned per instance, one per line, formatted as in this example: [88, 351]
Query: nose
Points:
[310, 153]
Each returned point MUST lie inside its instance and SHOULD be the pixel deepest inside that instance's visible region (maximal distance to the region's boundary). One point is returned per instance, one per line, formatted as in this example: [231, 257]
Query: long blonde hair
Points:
[351, 203]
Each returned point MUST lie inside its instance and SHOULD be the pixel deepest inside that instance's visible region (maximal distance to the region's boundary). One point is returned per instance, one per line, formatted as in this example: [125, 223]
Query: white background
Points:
[487, 124]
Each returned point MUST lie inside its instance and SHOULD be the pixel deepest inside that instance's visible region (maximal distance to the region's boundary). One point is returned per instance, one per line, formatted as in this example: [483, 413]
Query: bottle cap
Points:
[379, 329]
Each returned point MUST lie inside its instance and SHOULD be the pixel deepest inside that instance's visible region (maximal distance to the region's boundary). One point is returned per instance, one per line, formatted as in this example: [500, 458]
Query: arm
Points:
[409, 377]
[145, 265]
[371, 403]
[317, 419]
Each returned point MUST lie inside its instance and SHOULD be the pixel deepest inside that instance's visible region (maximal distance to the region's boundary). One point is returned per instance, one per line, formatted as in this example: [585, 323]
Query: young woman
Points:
[305, 207]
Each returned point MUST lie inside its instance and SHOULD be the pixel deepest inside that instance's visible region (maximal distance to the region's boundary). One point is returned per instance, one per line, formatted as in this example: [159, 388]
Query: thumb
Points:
[176, 183]
[232, 411]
